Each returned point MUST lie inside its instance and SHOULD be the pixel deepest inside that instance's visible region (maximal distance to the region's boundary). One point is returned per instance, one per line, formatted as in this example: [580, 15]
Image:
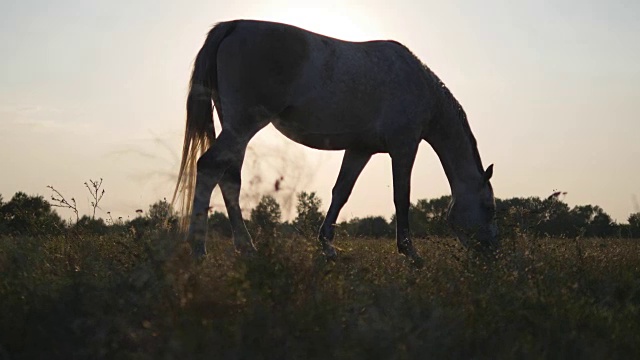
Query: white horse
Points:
[361, 97]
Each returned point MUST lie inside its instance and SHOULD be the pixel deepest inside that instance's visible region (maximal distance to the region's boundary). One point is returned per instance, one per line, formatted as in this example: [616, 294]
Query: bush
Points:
[370, 226]
[220, 225]
[116, 297]
[265, 217]
[309, 217]
[634, 224]
[29, 215]
[87, 225]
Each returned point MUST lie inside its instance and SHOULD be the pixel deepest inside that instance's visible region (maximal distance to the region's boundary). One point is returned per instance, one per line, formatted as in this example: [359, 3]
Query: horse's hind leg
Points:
[230, 187]
[227, 152]
[352, 165]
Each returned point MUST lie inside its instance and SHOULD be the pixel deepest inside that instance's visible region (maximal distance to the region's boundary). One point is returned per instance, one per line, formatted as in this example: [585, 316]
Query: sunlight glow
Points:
[542, 82]
[340, 21]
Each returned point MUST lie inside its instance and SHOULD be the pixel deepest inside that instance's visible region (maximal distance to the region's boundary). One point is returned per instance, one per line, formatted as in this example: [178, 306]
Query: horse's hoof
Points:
[411, 254]
[331, 256]
[417, 262]
[246, 249]
[329, 251]
[198, 256]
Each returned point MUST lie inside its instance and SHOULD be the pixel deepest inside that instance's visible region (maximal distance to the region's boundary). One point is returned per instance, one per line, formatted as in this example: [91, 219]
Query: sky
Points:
[97, 89]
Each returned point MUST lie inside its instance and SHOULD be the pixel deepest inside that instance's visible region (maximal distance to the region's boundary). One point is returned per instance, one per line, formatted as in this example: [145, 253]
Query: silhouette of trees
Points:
[159, 218]
[29, 215]
[434, 215]
[219, 224]
[552, 217]
[555, 219]
[370, 226]
[600, 224]
[90, 225]
[531, 216]
[161, 214]
[517, 216]
[265, 217]
[634, 224]
[428, 217]
[309, 217]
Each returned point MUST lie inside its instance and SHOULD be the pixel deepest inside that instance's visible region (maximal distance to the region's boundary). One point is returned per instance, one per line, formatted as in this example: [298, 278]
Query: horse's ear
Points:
[488, 173]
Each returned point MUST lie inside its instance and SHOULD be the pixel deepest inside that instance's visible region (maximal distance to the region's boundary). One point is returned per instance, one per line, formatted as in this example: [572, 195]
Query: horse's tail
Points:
[199, 131]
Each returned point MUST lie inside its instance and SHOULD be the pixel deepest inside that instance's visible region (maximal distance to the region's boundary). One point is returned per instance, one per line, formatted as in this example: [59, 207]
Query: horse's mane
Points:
[448, 104]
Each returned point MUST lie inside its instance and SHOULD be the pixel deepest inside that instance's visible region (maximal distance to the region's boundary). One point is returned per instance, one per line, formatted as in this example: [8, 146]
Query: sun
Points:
[340, 21]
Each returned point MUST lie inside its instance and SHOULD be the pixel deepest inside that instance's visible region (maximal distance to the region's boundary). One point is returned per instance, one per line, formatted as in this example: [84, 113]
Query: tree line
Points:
[27, 215]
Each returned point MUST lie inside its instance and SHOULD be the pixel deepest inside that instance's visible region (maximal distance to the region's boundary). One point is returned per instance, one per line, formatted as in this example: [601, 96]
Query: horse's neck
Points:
[453, 142]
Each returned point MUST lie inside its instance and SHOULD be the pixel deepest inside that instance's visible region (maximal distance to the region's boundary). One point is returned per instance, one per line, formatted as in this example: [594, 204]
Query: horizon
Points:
[58, 207]
[98, 91]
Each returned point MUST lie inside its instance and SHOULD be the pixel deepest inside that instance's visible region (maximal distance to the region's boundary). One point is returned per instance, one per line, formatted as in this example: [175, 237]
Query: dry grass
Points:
[117, 297]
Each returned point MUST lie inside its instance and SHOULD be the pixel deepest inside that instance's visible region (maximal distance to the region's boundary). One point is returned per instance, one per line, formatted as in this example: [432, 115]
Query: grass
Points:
[120, 297]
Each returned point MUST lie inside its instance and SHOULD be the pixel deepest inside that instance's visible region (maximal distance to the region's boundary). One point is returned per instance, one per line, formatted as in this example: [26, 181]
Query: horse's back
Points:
[317, 85]
[286, 55]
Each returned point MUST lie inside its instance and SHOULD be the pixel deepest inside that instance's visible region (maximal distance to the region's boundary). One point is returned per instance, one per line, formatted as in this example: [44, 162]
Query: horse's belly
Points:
[316, 140]
[324, 140]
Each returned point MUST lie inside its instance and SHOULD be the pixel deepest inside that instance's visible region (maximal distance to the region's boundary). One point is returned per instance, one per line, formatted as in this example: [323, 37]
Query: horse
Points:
[328, 94]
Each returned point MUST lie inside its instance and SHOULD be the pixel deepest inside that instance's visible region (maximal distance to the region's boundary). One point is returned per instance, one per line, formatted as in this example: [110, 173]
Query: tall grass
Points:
[122, 297]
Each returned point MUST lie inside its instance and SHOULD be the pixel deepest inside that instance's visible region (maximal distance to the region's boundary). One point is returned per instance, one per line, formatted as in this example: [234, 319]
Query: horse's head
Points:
[472, 215]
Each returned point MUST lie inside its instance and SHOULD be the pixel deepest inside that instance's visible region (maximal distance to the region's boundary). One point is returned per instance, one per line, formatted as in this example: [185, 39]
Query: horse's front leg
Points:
[352, 165]
[402, 164]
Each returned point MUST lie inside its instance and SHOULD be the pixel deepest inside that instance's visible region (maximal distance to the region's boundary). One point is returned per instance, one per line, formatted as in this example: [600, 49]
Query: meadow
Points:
[121, 296]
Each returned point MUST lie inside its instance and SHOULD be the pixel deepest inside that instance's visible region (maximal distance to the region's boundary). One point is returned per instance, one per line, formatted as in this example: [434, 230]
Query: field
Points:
[113, 296]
